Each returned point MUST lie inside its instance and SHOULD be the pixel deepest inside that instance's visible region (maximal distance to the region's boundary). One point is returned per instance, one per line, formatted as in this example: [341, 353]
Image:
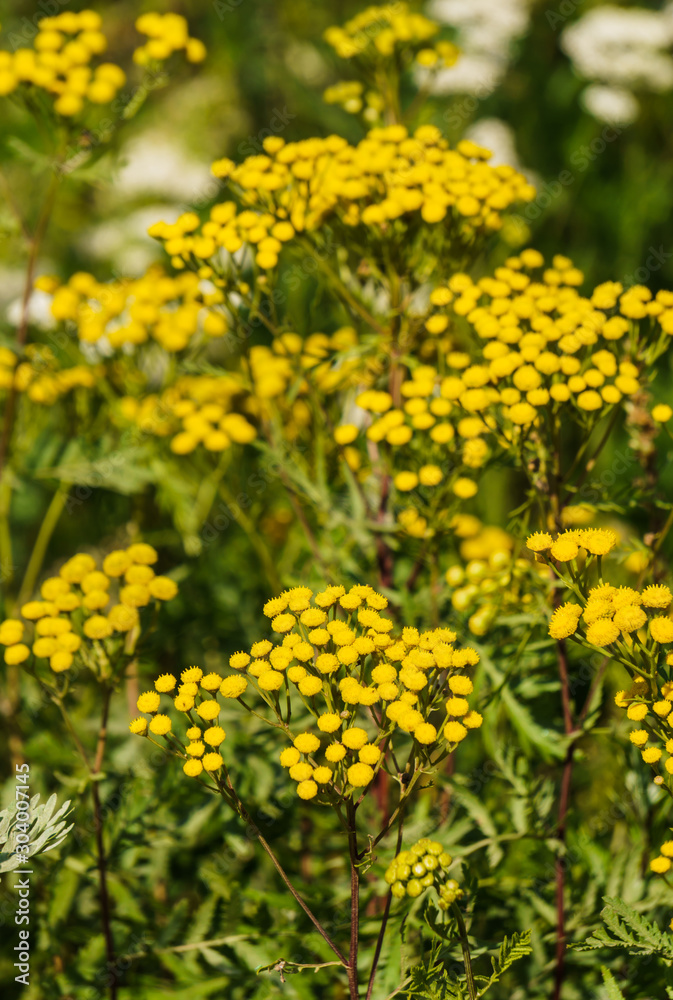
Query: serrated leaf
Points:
[627, 929]
[612, 991]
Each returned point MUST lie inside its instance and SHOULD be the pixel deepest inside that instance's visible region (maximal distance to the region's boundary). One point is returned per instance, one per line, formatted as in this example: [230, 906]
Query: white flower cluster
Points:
[622, 49]
[485, 32]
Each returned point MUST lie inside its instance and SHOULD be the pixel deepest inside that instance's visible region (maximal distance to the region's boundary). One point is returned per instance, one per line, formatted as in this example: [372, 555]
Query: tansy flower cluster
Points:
[572, 544]
[40, 377]
[281, 378]
[423, 866]
[380, 37]
[166, 33]
[60, 63]
[543, 344]
[429, 449]
[618, 615]
[218, 410]
[324, 358]
[78, 605]
[650, 709]
[196, 410]
[353, 97]
[389, 182]
[635, 621]
[633, 626]
[359, 691]
[176, 312]
[380, 31]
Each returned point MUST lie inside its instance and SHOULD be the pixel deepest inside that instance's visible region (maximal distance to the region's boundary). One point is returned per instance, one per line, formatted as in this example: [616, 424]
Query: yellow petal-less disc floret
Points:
[208, 710]
[454, 732]
[539, 542]
[307, 789]
[160, 725]
[360, 775]
[306, 743]
[602, 632]
[214, 736]
[354, 738]
[656, 596]
[661, 630]
[289, 757]
[233, 687]
[148, 702]
[17, 653]
[564, 621]
[212, 761]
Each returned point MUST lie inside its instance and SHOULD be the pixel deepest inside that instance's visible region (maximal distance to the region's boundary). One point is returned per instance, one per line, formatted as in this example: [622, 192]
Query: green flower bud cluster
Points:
[449, 893]
[418, 869]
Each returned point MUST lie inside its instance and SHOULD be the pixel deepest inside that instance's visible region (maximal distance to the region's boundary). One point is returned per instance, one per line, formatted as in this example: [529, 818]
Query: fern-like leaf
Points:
[430, 984]
[626, 928]
[511, 950]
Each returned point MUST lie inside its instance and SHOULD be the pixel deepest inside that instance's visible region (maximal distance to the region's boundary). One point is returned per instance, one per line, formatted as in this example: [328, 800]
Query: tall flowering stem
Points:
[342, 669]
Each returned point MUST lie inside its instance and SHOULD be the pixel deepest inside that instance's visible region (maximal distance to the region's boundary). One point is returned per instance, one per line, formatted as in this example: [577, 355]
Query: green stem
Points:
[355, 902]
[471, 988]
[47, 529]
[384, 918]
[6, 556]
[245, 815]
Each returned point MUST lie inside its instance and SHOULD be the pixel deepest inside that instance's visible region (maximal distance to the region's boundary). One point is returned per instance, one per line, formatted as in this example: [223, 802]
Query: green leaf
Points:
[124, 470]
[39, 162]
[627, 929]
[612, 991]
[550, 745]
[511, 950]
[482, 817]
[65, 887]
